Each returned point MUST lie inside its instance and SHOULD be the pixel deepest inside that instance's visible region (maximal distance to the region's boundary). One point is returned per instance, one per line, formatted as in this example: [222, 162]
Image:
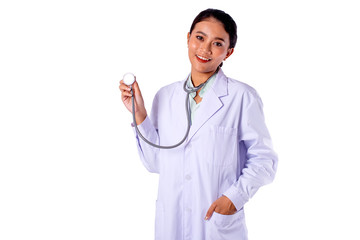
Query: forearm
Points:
[258, 172]
[147, 153]
[140, 117]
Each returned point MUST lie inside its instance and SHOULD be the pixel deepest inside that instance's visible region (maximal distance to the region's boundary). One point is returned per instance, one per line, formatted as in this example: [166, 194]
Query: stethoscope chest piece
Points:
[129, 78]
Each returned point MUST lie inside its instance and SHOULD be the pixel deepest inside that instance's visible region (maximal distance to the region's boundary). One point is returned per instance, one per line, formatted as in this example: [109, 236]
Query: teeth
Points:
[202, 58]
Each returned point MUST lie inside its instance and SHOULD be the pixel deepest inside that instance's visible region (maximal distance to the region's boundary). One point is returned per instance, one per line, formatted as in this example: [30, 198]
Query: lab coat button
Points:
[188, 177]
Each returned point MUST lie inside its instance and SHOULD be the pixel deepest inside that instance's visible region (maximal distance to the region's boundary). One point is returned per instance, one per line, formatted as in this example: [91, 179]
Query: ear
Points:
[229, 52]
[188, 38]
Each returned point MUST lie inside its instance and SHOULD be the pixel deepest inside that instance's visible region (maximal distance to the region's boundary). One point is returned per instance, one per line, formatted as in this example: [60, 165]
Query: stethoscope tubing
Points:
[188, 90]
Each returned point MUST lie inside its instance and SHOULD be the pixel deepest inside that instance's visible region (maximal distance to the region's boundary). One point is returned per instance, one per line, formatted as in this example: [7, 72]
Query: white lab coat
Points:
[228, 152]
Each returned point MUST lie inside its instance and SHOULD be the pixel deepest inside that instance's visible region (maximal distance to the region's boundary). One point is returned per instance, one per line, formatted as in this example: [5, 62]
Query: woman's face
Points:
[208, 46]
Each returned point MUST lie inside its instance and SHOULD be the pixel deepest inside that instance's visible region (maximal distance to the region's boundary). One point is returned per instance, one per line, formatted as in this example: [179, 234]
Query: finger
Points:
[210, 211]
[126, 94]
[136, 87]
[124, 87]
[136, 91]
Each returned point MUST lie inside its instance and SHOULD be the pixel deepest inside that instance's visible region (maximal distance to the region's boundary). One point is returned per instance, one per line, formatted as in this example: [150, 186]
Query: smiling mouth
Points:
[203, 59]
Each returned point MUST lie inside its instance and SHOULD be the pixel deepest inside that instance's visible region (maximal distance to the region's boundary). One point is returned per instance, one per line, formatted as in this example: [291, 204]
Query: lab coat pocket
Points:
[223, 149]
[159, 221]
[226, 227]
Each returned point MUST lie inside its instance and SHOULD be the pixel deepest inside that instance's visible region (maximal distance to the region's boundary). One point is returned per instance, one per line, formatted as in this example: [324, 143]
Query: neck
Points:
[199, 78]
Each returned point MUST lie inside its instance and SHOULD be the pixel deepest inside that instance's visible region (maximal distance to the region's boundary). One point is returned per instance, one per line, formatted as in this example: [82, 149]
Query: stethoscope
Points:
[129, 79]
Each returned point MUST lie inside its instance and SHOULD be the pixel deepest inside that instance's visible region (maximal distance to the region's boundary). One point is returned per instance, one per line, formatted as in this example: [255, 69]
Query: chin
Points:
[201, 68]
[204, 70]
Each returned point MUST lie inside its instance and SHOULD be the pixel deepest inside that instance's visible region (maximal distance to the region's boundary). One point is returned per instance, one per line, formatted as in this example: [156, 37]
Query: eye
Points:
[218, 44]
[199, 37]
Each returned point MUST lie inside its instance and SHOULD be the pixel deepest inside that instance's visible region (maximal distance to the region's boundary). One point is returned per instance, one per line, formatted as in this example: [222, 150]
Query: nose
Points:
[206, 47]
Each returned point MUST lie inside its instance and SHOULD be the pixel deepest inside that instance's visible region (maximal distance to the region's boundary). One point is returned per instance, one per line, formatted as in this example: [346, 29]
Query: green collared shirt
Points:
[193, 105]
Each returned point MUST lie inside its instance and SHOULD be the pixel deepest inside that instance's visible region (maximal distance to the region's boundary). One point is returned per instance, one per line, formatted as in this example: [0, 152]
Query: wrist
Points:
[140, 117]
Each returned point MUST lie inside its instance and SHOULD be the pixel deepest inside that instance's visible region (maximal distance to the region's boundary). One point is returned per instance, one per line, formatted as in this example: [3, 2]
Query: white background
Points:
[69, 167]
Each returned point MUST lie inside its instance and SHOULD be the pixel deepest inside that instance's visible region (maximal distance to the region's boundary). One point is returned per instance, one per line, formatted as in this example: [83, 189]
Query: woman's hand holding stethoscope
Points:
[140, 111]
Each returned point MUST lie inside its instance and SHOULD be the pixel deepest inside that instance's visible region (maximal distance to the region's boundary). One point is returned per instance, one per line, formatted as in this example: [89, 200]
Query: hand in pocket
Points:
[223, 205]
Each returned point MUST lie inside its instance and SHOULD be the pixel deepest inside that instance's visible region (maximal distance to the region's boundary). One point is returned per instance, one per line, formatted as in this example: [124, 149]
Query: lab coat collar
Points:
[220, 86]
[210, 104]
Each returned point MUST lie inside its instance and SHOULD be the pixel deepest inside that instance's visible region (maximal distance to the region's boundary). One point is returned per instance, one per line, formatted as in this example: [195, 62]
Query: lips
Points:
[202, 59]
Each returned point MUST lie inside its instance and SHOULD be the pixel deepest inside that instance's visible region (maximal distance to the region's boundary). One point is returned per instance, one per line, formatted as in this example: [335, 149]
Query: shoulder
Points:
[236, 87]
[171, 87]
[169, 90]
[240, 86]
[244, 94]
[229, 86]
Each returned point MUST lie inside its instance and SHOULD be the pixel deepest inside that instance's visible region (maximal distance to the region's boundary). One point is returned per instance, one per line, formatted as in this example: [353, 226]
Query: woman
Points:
[206, 181]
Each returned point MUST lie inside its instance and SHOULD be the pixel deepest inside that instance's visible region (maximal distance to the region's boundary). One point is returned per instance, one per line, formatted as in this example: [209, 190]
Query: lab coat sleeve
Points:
[148, 154]
[261, 160]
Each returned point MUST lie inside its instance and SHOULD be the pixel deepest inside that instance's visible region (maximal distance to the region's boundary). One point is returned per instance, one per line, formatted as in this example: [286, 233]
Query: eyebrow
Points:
[217, 38]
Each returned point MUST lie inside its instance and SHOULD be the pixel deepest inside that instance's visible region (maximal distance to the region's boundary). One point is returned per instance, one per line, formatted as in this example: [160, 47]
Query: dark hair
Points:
[221, 16]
